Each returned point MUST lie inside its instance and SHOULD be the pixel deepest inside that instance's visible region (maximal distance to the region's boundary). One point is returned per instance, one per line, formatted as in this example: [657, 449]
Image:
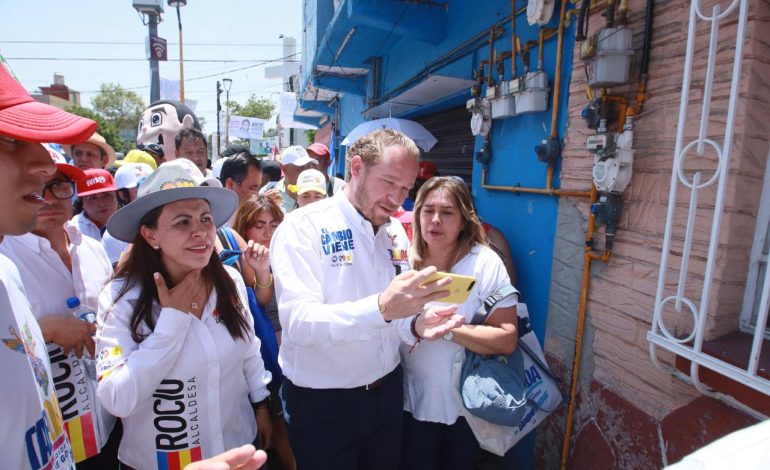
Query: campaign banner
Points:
[246, 127]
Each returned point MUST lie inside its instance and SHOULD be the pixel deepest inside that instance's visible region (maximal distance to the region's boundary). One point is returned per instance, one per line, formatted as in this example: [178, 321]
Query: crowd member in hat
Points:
[242, 174]
[311, 187]
[191, 144]
[127, 180]
[98, 195]
[175, 321]
[342, 277]
[294, 160]
[56, 263]
[449, 236]
[154, 150]
[32, 427]
[162, 121]
[138, 156]
[93, 153]
[322, 155]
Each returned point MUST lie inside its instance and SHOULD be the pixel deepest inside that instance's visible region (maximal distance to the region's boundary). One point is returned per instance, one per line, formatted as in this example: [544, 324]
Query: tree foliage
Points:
[104, 128]
[118, 106]
[261, 108]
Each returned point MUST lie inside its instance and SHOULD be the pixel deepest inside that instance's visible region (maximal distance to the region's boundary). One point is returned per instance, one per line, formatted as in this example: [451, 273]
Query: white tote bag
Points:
[542, 387]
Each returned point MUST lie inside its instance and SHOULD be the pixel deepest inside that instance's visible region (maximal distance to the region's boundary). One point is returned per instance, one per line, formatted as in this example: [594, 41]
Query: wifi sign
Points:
[156, 48]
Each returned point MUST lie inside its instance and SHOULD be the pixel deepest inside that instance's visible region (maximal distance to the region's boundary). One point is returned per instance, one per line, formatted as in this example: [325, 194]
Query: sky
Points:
[41, 37]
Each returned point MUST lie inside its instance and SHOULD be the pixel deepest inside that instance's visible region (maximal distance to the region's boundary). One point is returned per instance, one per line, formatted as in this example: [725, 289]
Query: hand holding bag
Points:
[506, 397]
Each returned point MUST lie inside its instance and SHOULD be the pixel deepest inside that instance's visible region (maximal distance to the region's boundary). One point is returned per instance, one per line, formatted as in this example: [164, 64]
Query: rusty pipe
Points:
[513, 39]
[557, 72]
[491, 55]
[543, 191]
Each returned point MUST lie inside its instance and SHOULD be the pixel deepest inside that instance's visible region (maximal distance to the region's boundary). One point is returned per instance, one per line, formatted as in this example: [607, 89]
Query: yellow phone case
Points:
[459, 289]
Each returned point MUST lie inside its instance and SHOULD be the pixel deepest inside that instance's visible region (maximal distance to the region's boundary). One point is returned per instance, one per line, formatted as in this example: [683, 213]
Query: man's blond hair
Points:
[372, 146]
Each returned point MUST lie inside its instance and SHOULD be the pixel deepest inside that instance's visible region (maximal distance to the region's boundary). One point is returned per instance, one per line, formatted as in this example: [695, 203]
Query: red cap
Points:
[319, 149]
[427, 171]
[23, 118]
[72, 172]
[96, 181]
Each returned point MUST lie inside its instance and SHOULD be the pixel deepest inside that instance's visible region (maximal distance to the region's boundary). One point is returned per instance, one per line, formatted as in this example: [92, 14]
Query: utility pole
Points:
[154, 69]
[219, 114]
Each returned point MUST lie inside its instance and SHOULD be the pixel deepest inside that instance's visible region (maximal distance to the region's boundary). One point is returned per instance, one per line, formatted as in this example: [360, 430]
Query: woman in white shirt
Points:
[449, 235]
[177, 356]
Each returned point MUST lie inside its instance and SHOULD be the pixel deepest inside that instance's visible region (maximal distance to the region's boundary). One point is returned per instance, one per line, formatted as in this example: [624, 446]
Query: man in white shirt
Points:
[57, 262]
[342, 277]
[99, 197]
[32, 430]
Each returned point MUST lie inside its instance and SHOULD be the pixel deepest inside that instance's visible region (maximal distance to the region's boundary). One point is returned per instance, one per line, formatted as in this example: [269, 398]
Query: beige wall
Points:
[622, 294]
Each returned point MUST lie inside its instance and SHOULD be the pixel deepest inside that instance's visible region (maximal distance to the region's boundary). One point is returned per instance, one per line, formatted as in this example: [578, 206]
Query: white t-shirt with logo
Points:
[48, 284]
[32, 433]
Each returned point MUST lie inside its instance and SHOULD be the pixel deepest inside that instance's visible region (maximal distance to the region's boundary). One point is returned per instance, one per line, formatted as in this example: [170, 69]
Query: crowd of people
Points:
[159, 311]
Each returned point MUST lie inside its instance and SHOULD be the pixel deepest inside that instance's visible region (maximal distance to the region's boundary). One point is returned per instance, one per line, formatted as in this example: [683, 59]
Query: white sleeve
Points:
[299, 285]
[257, 377]
[128, 372]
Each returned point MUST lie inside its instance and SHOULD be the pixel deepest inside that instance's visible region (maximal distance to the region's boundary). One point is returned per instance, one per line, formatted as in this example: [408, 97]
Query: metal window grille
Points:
[692, 293]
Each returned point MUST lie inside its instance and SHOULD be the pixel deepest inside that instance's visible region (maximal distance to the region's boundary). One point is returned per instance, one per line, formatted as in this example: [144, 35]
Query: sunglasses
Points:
[60, 189]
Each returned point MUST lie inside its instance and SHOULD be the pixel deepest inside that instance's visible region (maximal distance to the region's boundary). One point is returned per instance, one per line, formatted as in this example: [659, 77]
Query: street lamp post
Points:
[177, 4]
[227, 83]
[152, 13]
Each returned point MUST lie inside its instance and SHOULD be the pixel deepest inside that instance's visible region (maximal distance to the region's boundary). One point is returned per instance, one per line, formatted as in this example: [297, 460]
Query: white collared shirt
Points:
[31, 427]
[329, 268]
[429, 393]
[113, 247]
[48, 284]
[184, 392]
[87, 226]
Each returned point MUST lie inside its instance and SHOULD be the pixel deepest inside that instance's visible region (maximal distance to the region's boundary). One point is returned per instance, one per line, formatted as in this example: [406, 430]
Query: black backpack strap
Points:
[486, 309]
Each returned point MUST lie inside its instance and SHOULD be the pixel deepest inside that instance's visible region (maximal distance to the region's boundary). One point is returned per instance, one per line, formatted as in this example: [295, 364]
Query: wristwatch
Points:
[448, 336]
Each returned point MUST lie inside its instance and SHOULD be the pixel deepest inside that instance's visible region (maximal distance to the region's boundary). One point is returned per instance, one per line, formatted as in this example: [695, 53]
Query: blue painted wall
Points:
[528, 221]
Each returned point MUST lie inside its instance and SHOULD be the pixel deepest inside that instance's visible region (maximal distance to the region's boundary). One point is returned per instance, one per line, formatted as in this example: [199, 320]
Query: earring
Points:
[156, 247]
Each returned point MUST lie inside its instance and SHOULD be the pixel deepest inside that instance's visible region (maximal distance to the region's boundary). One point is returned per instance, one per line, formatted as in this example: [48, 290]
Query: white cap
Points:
[130, 175]
[296, 155]
[216, 167]
[311, 180]
[195, 173]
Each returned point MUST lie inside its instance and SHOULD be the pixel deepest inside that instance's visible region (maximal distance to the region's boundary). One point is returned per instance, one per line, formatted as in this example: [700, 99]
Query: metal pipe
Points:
[588, 257]
[543, 191]
[513, 39]
[557, 72]
[491, 55]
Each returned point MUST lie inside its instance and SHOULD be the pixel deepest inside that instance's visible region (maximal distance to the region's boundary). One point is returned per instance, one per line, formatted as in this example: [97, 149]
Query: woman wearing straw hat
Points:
[177, 358]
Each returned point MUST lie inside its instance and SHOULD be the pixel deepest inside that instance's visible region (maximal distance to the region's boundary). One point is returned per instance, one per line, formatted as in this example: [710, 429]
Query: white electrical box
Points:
[534, 96]
[596, 142]
[612, 173]
[504, 106]
[481, 121]
[611, 63]
[491, 92]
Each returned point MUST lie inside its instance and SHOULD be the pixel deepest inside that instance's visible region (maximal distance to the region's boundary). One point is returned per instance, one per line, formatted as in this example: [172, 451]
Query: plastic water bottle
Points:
[85, 314]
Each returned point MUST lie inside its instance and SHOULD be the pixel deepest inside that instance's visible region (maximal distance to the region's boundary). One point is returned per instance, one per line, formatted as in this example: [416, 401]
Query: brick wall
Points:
[617, 372]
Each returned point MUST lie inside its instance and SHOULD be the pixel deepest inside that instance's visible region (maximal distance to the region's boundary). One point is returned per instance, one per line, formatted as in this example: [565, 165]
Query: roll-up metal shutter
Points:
[453, 153]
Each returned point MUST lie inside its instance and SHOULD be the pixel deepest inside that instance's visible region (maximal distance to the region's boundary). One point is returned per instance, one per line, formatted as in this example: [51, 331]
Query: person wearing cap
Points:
[176, 324]
[191, 144]
[294, 160]
[311, 187]
[321, 153]
[347, 299]
[32, 426]
[99, 199]
[93, 153]
[138, 156]
[241, 173]
[57, 262]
